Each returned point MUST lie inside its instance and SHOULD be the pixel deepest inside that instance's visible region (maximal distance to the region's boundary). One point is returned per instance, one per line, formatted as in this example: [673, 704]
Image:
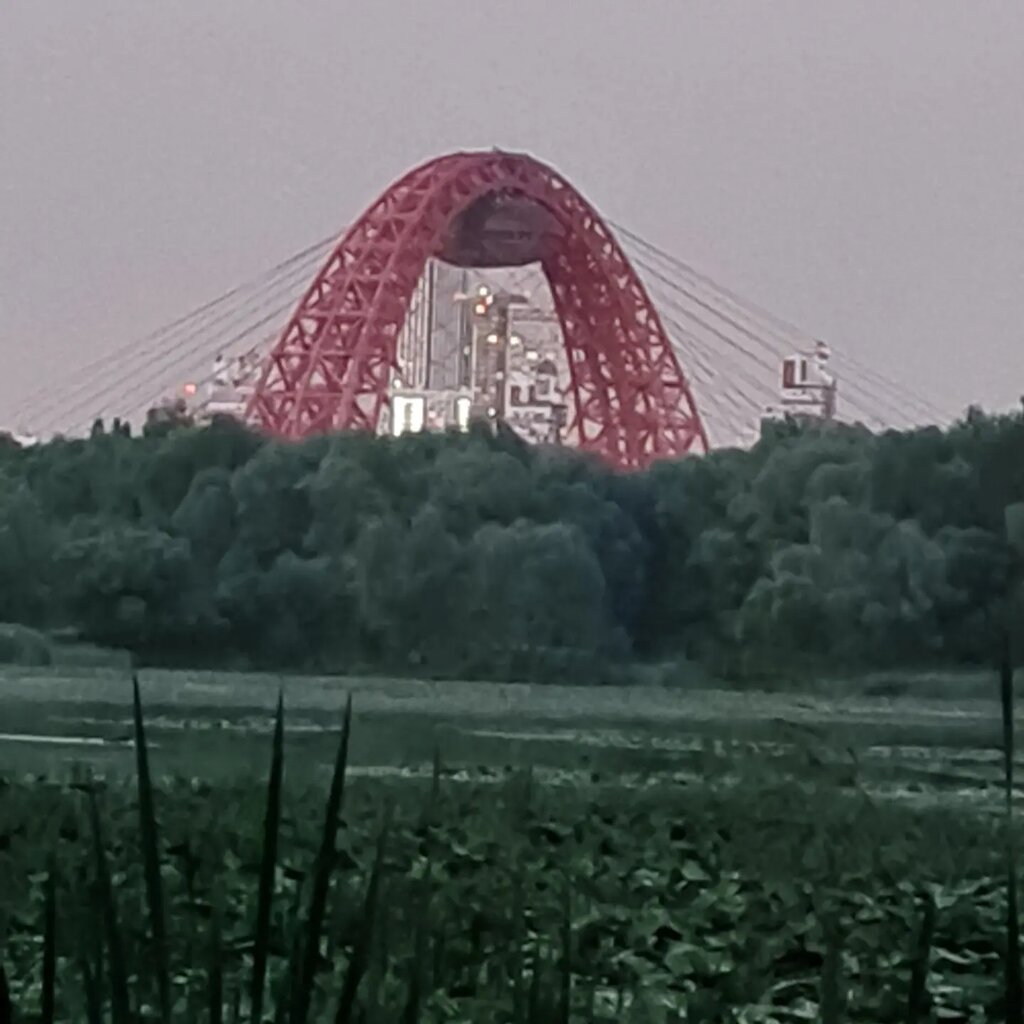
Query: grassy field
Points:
[669, 856]
[922, 739]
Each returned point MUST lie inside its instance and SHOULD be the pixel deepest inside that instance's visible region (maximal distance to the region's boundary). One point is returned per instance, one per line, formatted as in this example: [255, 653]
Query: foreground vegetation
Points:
[764, 899]
[475, 556]
[739, 894]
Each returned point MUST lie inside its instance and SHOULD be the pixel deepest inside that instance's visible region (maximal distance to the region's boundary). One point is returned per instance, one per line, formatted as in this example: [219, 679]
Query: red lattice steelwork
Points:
[331, 368]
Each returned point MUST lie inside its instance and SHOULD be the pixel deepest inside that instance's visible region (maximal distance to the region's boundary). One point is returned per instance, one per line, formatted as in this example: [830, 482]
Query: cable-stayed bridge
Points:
[442, 293]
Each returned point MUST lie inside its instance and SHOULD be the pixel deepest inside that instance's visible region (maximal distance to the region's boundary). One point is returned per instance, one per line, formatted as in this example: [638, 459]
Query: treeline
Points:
[475, 555]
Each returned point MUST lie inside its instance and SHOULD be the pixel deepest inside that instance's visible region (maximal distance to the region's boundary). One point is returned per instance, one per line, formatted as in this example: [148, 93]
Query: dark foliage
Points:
[472, 555]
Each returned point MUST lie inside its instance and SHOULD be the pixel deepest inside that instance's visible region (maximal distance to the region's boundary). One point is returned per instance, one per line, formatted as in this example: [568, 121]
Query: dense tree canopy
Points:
[474, 554]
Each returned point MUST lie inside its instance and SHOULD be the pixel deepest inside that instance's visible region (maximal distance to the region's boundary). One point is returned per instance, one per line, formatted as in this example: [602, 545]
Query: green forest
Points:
[476, 556]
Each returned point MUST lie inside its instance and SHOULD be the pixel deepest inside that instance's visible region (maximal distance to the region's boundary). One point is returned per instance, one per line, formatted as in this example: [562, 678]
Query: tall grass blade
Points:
[363, 945]
[592, 1000]
[565, 994]
[380, 955]
[414, 996]
[215, 974]
[48, 996]
[268, 866]
[6, 1009]
[91, 988]
[281, 1008]
[1014, 985]
[533, 1007]
[831, 994]
[917, 1001]
[1006, 706]
[325, 859]
[1014, 982]
[290, 985]
[518, 966]
[428, 811]
[151, 857]
[438, 955]
[116, 964]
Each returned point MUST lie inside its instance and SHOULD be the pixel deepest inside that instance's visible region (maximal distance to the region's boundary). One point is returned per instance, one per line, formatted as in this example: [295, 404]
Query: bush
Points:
[20, 645]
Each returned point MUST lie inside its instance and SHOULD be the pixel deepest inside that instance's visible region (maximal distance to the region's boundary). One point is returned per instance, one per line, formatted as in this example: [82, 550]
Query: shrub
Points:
[20, 645]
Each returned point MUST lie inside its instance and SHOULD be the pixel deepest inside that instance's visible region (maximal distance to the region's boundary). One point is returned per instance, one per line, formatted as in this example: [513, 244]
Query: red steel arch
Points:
[331, 367]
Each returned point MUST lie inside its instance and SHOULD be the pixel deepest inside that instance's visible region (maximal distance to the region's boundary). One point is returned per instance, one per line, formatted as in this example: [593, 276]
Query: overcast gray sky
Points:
[857, 166]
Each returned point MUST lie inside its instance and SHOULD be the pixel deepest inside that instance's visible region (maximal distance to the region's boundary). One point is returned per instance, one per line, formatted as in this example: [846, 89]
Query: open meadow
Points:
[923, 739]
[550, 853]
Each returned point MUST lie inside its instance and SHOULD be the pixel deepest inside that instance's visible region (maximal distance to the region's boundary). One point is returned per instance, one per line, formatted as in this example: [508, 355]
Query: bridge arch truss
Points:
[331, 367]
